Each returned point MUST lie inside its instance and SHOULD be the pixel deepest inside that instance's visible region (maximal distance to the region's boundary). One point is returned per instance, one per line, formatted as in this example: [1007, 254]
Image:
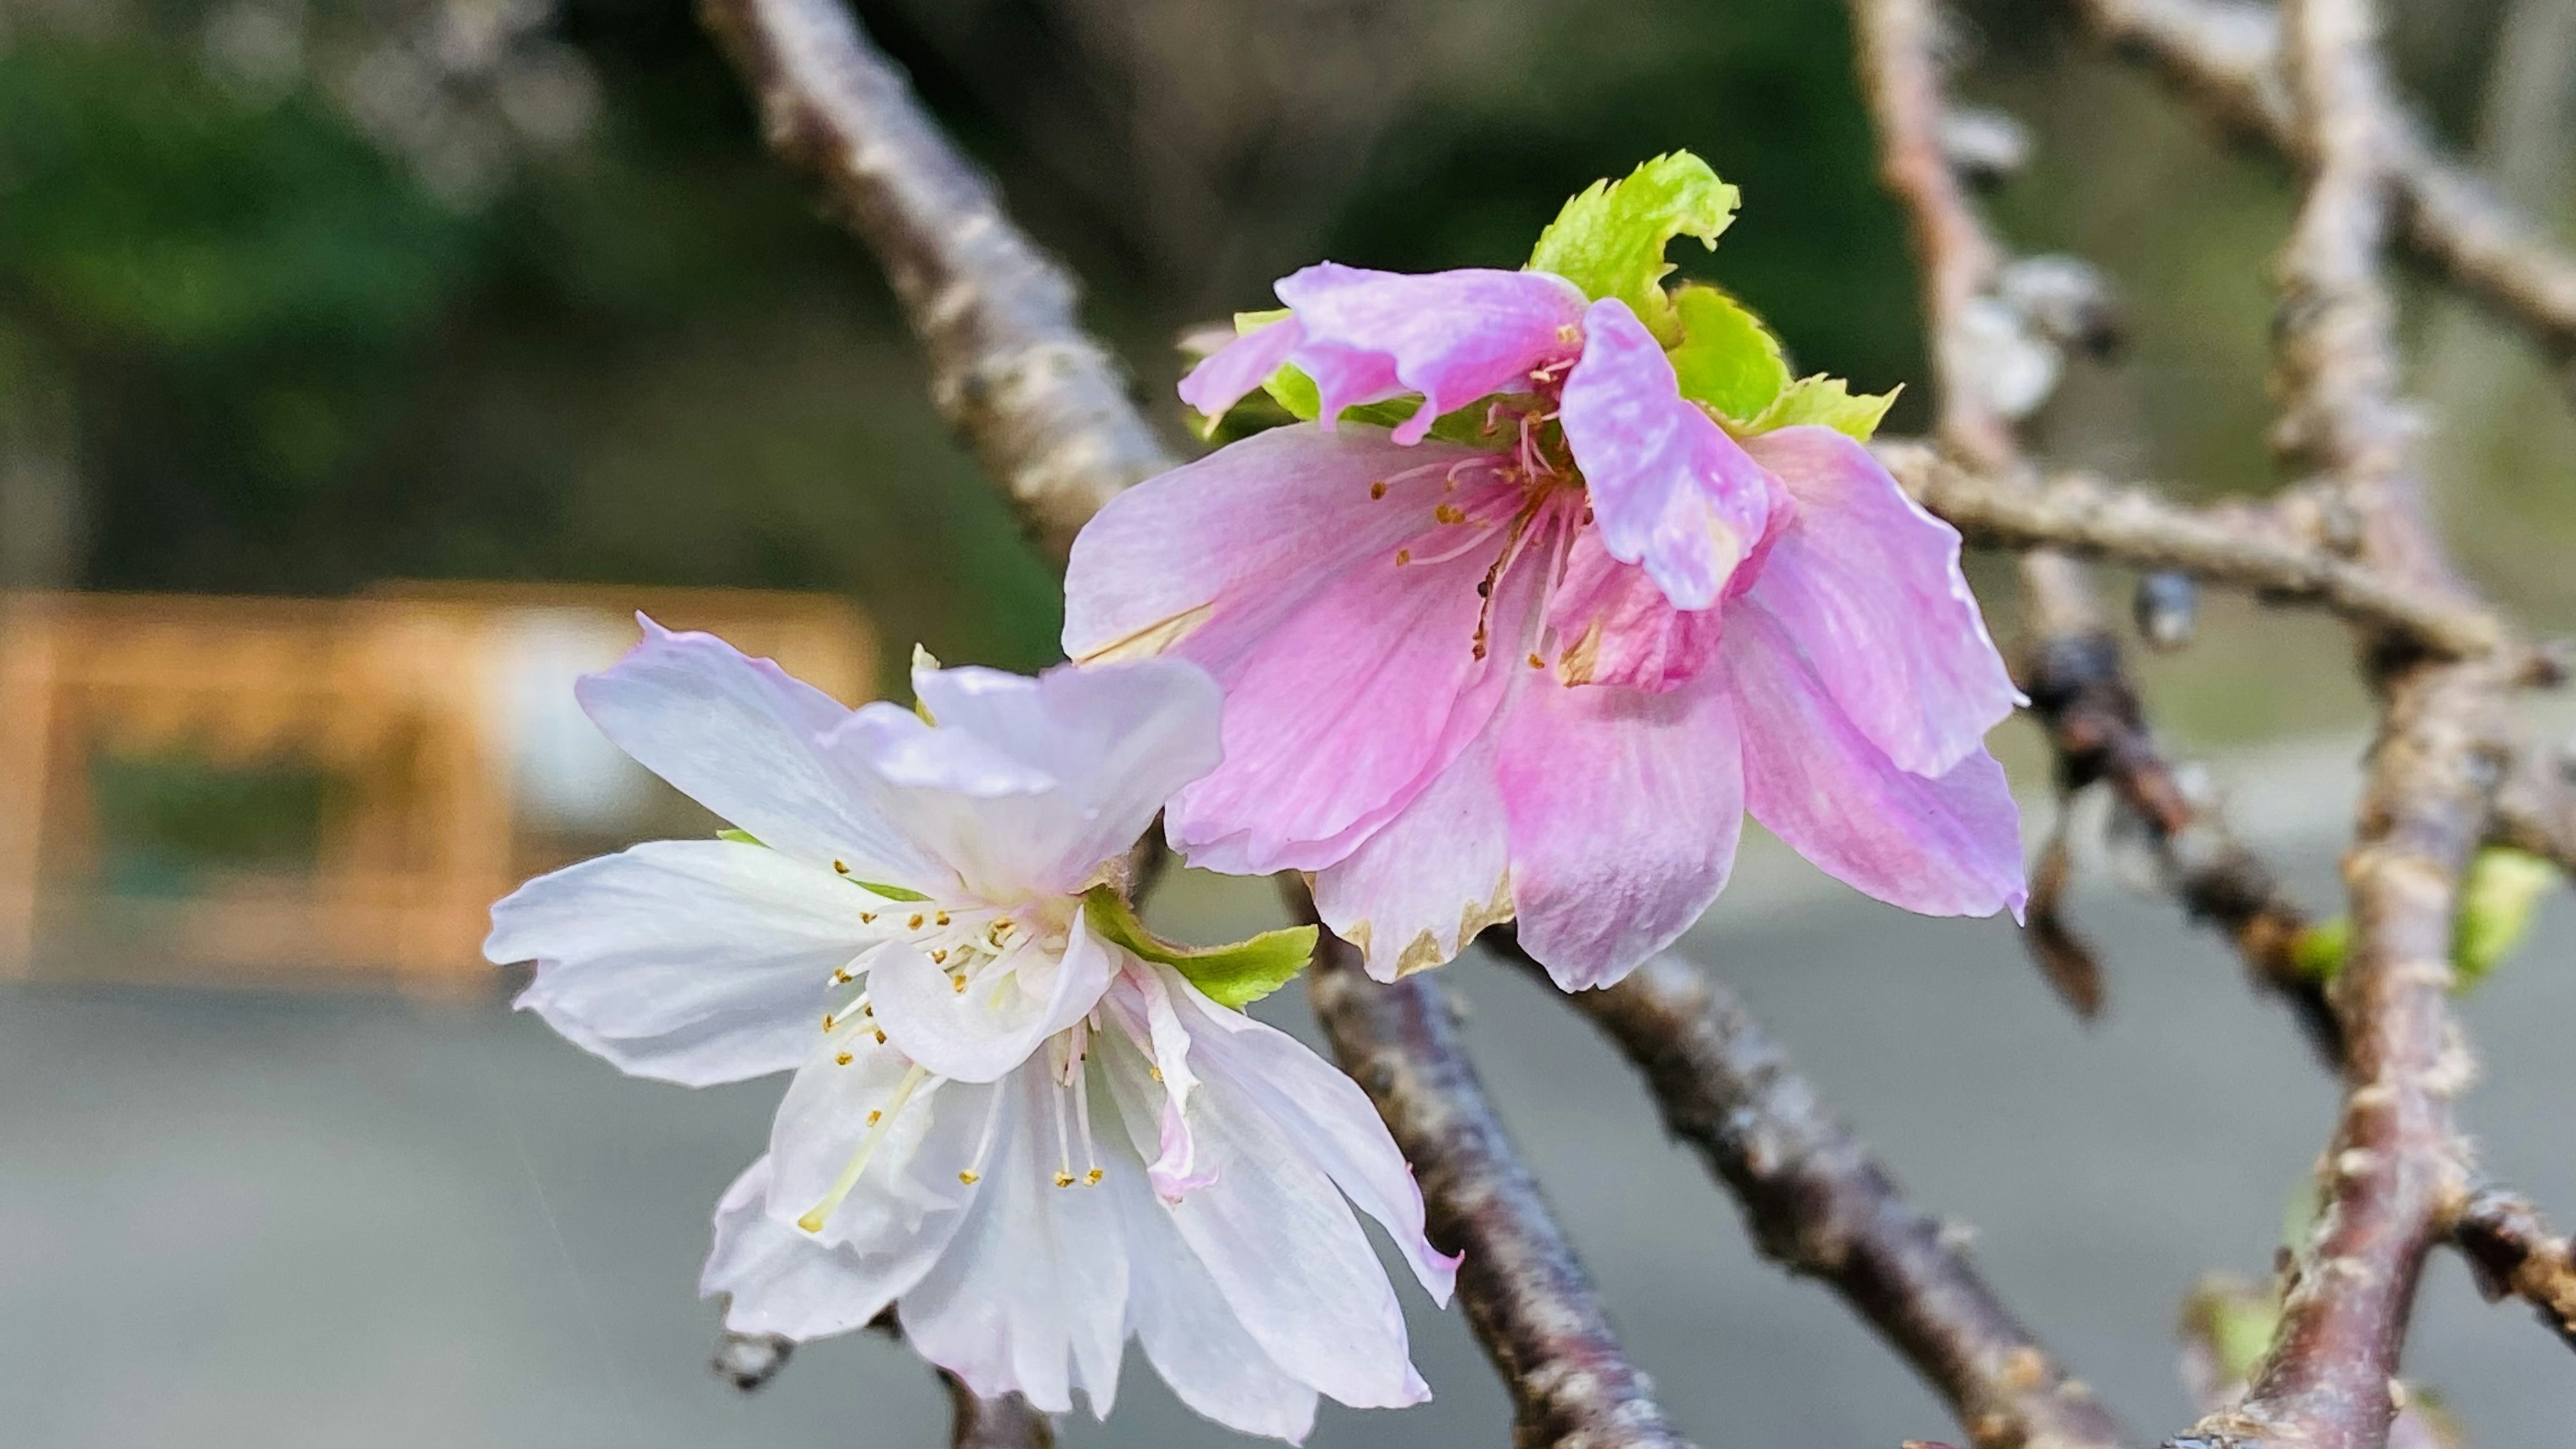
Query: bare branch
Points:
[2515, 1253]
[1042, 404]
[1819, 1205]
[2223, 56]
[2083, 514]
[1527, 1298]
[1003, 1423]
[2536, 808]
[2395, 1167]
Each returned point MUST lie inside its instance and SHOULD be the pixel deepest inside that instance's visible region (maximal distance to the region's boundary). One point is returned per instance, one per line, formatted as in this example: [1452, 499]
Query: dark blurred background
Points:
[338, 299]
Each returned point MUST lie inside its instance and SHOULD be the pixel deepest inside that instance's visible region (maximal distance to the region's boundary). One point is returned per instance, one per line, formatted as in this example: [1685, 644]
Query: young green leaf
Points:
[2496, 903]
[1828, 402]
[1610, 238]
[1234, 976]
[1727, 358]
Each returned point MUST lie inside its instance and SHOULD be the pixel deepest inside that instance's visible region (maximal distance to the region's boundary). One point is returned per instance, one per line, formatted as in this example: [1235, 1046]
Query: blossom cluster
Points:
[1553, 577]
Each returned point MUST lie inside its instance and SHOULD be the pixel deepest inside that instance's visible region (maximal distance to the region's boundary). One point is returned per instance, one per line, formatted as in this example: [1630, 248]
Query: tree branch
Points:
[2071, 666]
[2080, 513]
[2395, 1168]
[1042, 404]
[2514, 1253]
[2224, 58]
[1819, 1205]
[1526, 1296]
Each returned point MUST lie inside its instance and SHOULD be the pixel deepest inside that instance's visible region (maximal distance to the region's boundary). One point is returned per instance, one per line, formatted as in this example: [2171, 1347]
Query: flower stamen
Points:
[879, 1122]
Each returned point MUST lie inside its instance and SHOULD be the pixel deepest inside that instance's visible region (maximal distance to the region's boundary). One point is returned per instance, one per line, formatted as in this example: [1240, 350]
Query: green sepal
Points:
[923, 659]
[2497, 900]
[1826, 402]
[738, 837]
[1232, 976]
[1296, 395]
[1727, 358]
[1610, 238]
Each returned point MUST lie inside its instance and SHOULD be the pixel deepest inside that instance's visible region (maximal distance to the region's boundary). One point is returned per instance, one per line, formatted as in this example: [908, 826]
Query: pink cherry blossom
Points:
[1028, 1141]
[1547, 679]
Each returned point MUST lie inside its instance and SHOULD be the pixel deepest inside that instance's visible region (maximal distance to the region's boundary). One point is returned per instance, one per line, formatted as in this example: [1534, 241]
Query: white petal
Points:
[1191, 1336]
[694, 961]
[786, 1283]
[1031, 1296]
[1027, 786]
[1142, 1006]
[738, 735]
[1325, 1116]
[1282, 1246]
[824, 1121]
[994, 1025]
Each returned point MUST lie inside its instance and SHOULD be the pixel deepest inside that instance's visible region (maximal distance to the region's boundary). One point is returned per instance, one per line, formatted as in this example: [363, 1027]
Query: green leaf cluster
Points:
[1234, 975]
[2498, 898]
[1610, 238]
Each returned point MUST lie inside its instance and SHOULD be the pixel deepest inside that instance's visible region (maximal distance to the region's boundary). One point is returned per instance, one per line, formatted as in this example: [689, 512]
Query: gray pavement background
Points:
[233, 1219]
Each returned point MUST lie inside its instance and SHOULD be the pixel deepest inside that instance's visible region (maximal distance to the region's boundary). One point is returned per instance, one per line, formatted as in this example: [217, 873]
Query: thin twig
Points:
[1042, 404]
[2079, 513]
[2515, 1253]
[1003, 1423]
[1526, 1296]
[2396, 1167]
[2535, 808]
[1819, 1205]
[2224, 56]
[2071, 666]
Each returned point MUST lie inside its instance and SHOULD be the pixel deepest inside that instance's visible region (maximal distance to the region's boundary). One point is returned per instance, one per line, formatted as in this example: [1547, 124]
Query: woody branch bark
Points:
[2225, 57]
[2395, 1168]
[1819, 1205]
[2071, 668]
[1527, 1297]
[1041, 403]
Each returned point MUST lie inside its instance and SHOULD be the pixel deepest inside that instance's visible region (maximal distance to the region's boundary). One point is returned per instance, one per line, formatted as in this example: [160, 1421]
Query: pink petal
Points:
[1219, 550]
[1669, 488]
[1427, 881]
[1869, 587]
[1346, 707]
[1625, 808]
[1949, 846]
[1226, 376]
[1452, 336]
[1609, 624]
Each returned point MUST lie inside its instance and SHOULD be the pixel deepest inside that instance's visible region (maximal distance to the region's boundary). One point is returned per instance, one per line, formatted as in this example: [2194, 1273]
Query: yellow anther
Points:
[841, 976]
[1094, 1179]
[915, 922]
[1450, 513]
[941, 918]
[880, 1038]
[1377, 490]
[1064, 1179]
[1155, 1072]
[938, 958]
[867, 918]
[1536, 662]
[840, 867]
[970, 1177]
[842, 1060]
[827, 1021]
[873, 1116]
[957, 983]
[1403, 556]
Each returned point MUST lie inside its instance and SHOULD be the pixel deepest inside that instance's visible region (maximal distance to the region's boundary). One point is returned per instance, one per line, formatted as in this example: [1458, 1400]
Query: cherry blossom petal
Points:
[1944, 847]
[1031, 1295]
[1327, 1118]
[1280, 1243]
[1231, 373]
[1610, 624]
[1868, 586]
[1625, 808]
[1345, 711]
[1427, 881]
[1452, 336]
[783, 1282]
[1218, 551]
[1141, 1004]
[738, 735]
[1670, 490]
[693, 961]
[1191, 1335]
[1116, 739]
[1002, 1016]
